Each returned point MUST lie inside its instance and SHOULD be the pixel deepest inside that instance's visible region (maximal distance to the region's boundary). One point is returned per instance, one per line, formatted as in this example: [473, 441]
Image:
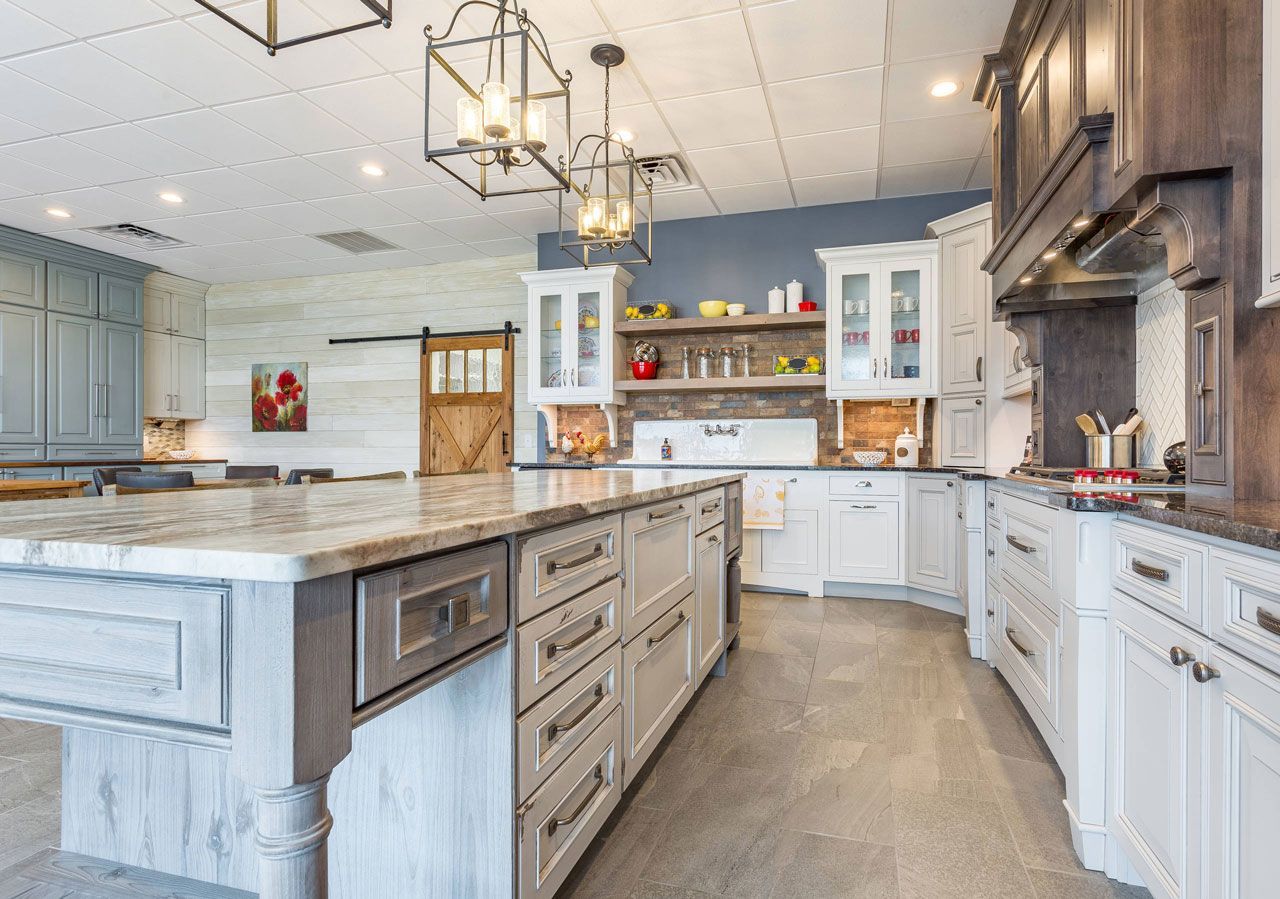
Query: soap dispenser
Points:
[906, 450]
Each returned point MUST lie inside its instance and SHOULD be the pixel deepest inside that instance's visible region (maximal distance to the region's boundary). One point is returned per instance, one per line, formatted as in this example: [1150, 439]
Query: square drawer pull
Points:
[655, 516]
[556, 728]
[557, 823]
[456, 613]
[1267, 621]
[1018, 544]
[555, 565]
[1148, 571]
[653, 641]
[596, 627]
[1009, 632]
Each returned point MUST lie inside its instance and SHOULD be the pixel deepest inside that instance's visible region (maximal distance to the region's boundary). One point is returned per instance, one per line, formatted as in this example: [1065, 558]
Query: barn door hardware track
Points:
[506, 331]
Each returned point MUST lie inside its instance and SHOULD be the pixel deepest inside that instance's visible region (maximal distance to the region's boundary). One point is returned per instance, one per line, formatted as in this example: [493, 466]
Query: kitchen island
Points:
[367, 689]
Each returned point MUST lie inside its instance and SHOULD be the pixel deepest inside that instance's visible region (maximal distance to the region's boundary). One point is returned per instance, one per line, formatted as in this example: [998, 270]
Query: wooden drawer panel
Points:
[710, 508]
[142, 648]
[553, 646]
[557, 565]
[1028, 642]
[554, 727]
[1027, 533]
[1161, 569]
[412, 618]
[657, 680]
[867, 483]
[659, 562]
[1244, 605]
[559, 822]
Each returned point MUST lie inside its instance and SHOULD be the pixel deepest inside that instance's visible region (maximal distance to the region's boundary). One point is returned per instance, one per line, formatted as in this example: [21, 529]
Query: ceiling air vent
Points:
[665, 172]
[137, 236]
[357, 242]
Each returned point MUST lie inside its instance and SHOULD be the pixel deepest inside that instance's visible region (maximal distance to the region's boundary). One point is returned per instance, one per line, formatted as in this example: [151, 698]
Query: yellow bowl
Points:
[713, 308]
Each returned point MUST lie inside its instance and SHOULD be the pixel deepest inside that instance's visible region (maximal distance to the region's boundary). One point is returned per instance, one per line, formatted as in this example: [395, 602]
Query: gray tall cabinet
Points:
[71, 351]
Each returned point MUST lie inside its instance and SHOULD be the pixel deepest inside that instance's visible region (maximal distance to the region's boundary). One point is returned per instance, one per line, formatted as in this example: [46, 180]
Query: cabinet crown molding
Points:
[879, 251]
[958, 221]
[579, 276]
[59, 251]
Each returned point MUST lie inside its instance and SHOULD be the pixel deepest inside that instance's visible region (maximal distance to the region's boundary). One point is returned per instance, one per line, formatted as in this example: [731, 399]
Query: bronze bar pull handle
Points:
[555, 565]
[596, 627]
[556, 729]
[1267, 621]
[1009, 633]
[655, 516]
[653, 641]
[557, 823]
[1150, 572]
[1018, 544]
[979, 369]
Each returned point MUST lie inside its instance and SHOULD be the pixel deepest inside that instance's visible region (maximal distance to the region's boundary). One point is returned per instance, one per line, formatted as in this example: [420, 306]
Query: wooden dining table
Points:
[12, 490]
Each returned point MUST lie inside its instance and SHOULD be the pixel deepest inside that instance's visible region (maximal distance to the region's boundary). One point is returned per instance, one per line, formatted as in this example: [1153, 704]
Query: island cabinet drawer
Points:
[1244, 605]
[1028, 641]
[130, 647]
[1027, 533]
[557, 565]
[1161, 569]
[549, 731]
[710, 508]
[658, 550]
[658, 677]
[412, 618]
[993, 554]
[866, 484]
[551, 647]
[557, 824]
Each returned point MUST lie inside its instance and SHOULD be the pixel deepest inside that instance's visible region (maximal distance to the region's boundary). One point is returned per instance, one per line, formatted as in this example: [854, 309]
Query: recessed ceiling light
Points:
[944, 88]
[624, 135]
[170, 197]
[373, 171]
[58, 213]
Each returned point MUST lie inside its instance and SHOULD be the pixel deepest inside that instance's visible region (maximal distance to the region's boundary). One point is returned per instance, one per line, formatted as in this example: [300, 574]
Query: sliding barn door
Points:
[468, 397]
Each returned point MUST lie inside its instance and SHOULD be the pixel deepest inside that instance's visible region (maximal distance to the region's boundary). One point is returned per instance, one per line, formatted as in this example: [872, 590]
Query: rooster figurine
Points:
[576, 442]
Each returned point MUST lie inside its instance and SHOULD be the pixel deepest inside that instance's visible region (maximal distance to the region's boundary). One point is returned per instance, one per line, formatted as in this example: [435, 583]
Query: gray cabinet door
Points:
[46, 473]
[73, 290]
[121, 300]
[21, 280]
[73, 394]
[120, 377]
[22, 342]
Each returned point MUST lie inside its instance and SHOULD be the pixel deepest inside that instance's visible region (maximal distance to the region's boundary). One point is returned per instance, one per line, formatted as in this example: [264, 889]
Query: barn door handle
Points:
[504, 443]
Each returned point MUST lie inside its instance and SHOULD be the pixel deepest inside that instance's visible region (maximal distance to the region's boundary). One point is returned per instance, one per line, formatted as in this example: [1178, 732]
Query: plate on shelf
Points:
[588, 347]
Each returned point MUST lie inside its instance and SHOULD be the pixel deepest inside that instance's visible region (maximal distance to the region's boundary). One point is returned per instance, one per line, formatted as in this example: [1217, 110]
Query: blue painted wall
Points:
[739, 257]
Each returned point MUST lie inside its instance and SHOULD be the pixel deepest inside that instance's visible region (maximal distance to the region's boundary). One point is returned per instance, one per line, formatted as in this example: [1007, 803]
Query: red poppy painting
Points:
[280, 396]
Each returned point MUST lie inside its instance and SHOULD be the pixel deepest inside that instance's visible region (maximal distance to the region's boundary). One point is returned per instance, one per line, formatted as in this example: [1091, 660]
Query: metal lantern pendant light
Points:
[615, 217]
[272, 38]
[498, 130]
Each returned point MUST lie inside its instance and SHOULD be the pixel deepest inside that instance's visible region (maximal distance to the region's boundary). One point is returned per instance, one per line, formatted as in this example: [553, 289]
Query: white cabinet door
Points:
[1156, 715]
[658, 553]
[964, 432]
[658, 672]
[1244, 787]
[865, 541]
[187, 315]
[709, 598]
[22, 371]
[188, 377]
[157, 310]
[550, 311]
[966, 308]
[157, 375]
[931, 533]
[854, 349]
[794, 549]
[907, 326]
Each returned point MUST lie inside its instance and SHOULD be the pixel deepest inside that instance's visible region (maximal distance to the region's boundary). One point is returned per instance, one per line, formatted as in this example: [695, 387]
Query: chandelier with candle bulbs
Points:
[614, 218]
[508, 121]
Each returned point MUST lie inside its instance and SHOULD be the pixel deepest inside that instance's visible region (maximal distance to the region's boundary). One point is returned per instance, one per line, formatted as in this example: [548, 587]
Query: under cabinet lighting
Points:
[1051, 254]
[1080, 222]
[942, 89]
[374, 171]
[1025, 279]
[171, 197]
[58, 213]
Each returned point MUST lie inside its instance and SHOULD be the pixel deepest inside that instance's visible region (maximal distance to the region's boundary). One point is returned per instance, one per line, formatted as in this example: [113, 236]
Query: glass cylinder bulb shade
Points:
[537, 125]
[470, 122]
[584, 222]
[497, 109]
[624, 219]
[611, 227]
[596, 215]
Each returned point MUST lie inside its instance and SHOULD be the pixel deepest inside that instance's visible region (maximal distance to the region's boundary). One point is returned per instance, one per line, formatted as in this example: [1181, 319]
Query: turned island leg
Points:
[291, 700]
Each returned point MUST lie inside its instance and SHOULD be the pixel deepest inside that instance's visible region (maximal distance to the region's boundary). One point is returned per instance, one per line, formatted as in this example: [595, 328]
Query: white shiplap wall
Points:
[363, 398]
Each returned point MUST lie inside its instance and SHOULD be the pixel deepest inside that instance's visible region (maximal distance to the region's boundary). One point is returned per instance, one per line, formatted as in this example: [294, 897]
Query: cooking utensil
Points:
[1130, 426]
[1087, 424]
[1102, 421]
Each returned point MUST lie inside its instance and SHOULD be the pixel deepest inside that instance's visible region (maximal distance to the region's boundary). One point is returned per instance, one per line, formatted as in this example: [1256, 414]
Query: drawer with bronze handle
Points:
[711, 509]
[1162, 569]
[659, 671]
[557, 724]
[1027, 553]
[1244, 605]
[556, 644]
[415, 617]
[1029, 641]
[871, 483]
[559, 564]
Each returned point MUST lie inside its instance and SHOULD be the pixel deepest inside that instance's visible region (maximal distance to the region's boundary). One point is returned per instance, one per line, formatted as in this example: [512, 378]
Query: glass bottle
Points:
[746, 361]
[684, 362]
[704, 362]
[726, 361]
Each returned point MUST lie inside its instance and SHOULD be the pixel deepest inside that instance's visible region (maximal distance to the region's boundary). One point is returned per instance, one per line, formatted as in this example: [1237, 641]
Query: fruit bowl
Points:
[656, 309]
[713, 308]
[870, 457]
[798, 365]
[181, 455]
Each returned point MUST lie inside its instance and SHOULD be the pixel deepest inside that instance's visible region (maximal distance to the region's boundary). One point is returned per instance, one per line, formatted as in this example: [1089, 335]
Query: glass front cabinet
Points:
[882, 320]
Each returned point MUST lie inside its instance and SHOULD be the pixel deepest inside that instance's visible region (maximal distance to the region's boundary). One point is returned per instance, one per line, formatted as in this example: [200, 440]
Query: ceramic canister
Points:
[777, 301]
[795, 293]
[906, 449]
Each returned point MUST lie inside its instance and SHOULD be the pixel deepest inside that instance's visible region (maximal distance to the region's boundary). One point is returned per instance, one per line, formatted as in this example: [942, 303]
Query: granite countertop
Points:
[963, 474]
[300, 532]
[108, 463]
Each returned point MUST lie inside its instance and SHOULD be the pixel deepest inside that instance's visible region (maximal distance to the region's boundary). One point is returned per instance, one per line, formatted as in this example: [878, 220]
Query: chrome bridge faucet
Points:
[721, 430]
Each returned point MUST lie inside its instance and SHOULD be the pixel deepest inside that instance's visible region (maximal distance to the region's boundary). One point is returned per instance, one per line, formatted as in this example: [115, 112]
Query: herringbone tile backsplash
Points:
[1161, 376]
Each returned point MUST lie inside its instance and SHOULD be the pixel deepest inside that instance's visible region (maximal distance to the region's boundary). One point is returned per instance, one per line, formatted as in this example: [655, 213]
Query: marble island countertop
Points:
[297, 533]
[963, 474]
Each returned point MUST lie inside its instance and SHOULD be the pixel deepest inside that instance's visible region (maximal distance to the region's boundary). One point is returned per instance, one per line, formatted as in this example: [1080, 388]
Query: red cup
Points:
[866, 336]
[901, 335]
[915, 335]
[644, 371]
[808, 306]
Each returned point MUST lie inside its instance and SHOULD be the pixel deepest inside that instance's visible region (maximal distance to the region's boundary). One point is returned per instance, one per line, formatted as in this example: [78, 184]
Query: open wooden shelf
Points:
[781, 321]
[725, 385]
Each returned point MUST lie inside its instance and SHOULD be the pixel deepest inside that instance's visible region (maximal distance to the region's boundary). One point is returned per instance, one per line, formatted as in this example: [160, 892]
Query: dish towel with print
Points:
[762, 503]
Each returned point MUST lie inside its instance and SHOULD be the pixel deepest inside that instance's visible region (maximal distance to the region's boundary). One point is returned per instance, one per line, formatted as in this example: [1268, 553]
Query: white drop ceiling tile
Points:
[511, 246]
[753, 197]
[410, 153]
[224, 141]
[403, 45]
[85, 18]
[234, 187]
[455, 253]
[93, 241]
[21, 32]
[854, 150]
[148, 191]
[202, 256]
[254, 252]
[827, 102]
[588, 78]
[929, 178]
[129, 143]
[34, 178]
[297, 178]
[473, 228]
[652, 136]
[12, 131]
[742, 164]
[38, 106]
[63, 156]
[34, 207]
[936, 27]
[685, 204]
[92, 76]
[347, 164]
[302, 218]
[116, 208]
[907, 87]
[428, 203]
[848, 187]
[308, 248]
[41, 225]
[720, 120]
[693, 56]
[362, 210]
[532, 222]
[381, 108]
[566, 20]
[190, 61]
[194, 229]
[413, 236]
[509, 203]
[982, 175]
[8, 192]
[935, 140]
[241, 225]
[295, 123]
[798, 38]
[624, 14]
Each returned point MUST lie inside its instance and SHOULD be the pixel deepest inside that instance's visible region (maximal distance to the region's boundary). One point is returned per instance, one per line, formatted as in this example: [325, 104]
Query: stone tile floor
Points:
[853, 750]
